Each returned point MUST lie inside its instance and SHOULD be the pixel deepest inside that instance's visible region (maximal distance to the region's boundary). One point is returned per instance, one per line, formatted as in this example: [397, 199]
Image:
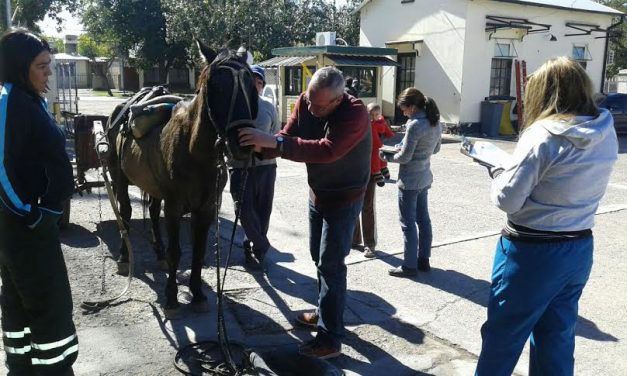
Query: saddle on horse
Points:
[149, 108]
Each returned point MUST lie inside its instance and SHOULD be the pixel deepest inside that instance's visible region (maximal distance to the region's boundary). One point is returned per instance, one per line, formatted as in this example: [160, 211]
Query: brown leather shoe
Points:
[309, 319]
[316, 349]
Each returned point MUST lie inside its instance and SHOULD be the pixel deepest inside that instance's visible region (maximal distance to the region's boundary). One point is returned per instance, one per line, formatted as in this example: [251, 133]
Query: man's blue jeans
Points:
[330, 237]
[535, 291]
[414, 210]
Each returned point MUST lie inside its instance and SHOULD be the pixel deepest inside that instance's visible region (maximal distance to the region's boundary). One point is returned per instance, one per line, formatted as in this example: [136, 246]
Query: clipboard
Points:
[389, 149]
[485, 153]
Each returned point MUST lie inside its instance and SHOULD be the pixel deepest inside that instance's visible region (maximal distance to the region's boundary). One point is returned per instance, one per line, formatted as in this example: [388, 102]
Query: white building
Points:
[460, 51]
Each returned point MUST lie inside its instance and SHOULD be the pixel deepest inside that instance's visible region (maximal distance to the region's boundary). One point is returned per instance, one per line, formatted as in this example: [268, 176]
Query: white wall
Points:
[535, 48]
[454, 66]
[441, 25]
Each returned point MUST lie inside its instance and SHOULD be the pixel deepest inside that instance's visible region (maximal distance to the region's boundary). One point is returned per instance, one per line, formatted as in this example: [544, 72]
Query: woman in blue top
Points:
[422, 139]
[35, 178]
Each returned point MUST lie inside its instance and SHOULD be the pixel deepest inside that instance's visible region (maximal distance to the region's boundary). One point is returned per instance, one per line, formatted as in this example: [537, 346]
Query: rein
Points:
[238, 83]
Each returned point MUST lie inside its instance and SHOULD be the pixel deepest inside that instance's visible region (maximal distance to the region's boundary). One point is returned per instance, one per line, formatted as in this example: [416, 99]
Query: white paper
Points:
[485, 152]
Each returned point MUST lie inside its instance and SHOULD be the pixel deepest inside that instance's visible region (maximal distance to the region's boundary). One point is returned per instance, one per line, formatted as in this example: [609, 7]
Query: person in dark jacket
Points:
[39, 336]
[329, 130]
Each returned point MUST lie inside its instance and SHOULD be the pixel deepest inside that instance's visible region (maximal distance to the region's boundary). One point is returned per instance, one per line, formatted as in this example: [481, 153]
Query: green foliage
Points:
[618, 43]
[162, 32]
[260, 25]
[56, 43]
[29, 12]
[87, 46]
[135, 29]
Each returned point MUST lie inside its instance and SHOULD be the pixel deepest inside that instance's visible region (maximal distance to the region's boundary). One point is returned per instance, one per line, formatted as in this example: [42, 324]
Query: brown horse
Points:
[182, 163]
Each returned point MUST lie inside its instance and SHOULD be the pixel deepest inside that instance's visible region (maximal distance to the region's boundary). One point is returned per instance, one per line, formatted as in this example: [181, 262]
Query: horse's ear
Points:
[207, 53]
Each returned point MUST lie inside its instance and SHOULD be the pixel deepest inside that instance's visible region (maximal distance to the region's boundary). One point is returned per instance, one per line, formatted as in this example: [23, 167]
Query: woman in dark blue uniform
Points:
[39, 336]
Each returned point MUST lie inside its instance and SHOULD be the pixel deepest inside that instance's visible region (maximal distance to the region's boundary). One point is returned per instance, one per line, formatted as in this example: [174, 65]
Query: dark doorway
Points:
[405, 77]
[131, 79]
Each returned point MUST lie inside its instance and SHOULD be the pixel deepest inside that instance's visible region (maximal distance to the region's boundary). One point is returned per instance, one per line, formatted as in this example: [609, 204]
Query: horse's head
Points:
[230, 96]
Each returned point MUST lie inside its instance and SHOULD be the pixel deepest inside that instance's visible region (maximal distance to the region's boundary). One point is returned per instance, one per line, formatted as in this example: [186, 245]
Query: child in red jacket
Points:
[379, 129]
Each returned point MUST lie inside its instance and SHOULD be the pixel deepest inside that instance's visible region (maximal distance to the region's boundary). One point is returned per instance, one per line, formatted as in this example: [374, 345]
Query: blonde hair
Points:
[373, 107]
[559, 89]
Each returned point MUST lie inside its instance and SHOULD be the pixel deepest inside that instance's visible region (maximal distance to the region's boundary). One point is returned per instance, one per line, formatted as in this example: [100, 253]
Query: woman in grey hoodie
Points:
[422, 139]
[550, 191]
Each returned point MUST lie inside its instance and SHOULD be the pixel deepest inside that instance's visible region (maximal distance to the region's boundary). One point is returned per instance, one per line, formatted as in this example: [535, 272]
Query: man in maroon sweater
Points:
[330, 132]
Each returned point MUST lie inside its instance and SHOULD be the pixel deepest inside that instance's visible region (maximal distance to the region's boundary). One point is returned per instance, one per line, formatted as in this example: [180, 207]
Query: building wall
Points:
[83, 72]
[456, 53]
[441, 25]
[535, 48]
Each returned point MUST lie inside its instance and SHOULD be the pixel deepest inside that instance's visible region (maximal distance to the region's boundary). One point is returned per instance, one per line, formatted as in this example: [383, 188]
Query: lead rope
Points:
[223, 337]
[102, 148]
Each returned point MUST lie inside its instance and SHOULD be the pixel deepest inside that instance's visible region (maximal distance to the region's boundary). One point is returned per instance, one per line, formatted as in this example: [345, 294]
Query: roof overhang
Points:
[363, 4]
[337, 50]
[571, 5]
[584, 6]
[368, 61]
[287, 61]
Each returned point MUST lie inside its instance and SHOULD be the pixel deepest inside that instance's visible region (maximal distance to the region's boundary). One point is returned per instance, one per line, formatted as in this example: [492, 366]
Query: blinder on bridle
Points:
[239, 72]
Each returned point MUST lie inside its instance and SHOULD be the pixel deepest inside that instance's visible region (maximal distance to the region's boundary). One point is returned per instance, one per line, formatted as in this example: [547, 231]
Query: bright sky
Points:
[70, 25]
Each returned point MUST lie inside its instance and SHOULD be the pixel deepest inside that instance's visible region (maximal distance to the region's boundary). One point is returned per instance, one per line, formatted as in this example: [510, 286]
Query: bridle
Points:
[238, 83]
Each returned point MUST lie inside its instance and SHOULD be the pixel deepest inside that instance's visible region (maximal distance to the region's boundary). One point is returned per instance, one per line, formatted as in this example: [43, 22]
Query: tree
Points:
[134, 27]
[618, 40]
[29, 12]
[260, 25]
[56, 43]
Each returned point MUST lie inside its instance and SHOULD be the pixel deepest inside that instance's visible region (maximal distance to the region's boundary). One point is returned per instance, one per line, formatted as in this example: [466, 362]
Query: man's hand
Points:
[256, 138]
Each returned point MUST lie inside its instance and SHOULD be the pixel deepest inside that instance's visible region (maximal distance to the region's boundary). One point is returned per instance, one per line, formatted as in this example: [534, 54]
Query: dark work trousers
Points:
[256, 204]
[38, 332]
[368, 223]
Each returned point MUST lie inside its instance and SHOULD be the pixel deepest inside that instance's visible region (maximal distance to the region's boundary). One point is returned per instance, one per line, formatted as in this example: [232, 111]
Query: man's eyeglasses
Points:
[311, 105]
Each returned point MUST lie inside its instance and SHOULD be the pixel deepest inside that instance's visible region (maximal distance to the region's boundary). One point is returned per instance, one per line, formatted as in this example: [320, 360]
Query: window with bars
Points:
[405, 77]
[294, 80]
[580, 54]
[500, 77]
[364, 79]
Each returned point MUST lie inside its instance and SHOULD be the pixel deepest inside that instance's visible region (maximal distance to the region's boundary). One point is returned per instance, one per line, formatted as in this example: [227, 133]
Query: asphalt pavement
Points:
[427, 325]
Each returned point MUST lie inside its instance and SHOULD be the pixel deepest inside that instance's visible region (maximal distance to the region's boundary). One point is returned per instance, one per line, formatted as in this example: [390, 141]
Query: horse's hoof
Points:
[172, 313]
[162, 265]
[200, 307]
[123, 268]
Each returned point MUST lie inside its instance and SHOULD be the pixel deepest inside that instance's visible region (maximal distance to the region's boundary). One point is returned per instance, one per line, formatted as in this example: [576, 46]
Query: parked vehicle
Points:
[617, 104]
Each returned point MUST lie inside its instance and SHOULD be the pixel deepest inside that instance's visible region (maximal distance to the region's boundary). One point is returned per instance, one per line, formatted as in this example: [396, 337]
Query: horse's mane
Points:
[192, 118]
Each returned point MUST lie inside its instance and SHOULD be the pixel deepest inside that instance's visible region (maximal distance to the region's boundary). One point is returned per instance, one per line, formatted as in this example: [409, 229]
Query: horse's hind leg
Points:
[157, 242]
[125, 212]
[200, 222]
[172, 223]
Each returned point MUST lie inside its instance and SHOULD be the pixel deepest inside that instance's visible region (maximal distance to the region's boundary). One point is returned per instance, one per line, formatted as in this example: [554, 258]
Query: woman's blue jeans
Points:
[414, 210]
[535, 291]
[330, 237]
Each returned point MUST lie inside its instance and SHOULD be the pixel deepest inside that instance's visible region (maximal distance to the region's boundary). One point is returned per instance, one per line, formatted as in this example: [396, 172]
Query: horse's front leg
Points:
[124, 203]
[173, 215]
[200, 222]
[157, 242]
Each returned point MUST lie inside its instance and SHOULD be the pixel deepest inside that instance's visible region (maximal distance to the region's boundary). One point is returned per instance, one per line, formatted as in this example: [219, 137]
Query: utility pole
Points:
[7, 13]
